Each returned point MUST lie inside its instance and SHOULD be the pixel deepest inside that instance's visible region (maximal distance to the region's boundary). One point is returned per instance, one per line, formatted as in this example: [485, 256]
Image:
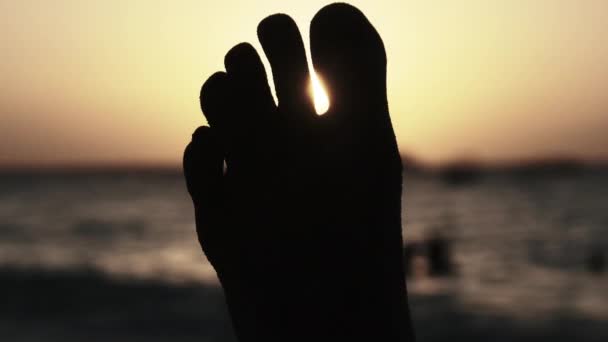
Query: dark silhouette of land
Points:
[85, 305]
[304, 228]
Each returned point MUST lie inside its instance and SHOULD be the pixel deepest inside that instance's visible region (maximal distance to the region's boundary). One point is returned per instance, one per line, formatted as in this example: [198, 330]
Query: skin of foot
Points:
[303, 221]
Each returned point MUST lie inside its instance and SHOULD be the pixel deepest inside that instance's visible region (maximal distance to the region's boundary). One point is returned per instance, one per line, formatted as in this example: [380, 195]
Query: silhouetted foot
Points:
[304, 227]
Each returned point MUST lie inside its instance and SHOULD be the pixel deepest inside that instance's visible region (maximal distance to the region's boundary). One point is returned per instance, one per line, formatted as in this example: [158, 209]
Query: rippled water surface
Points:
[521, 245]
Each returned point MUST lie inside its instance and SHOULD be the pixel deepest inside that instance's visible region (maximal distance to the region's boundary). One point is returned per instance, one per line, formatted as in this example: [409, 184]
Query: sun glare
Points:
[319, 94]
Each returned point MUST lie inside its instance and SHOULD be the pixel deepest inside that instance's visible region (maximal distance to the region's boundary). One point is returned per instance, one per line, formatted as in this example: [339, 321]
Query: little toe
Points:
[203, 168]
[215, 100]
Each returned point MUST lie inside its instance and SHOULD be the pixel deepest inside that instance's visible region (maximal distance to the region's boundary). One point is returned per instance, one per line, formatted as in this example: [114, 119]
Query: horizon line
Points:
[408, 161]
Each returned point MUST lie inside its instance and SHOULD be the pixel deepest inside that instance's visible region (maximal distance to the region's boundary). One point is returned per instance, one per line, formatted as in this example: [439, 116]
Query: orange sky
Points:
[117, 81]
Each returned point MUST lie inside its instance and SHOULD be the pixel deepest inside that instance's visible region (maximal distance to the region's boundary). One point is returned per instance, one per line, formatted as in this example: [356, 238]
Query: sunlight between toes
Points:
[319, 94]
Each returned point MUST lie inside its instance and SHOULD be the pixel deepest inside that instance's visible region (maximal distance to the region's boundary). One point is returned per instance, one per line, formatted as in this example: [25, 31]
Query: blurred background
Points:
[500, 113]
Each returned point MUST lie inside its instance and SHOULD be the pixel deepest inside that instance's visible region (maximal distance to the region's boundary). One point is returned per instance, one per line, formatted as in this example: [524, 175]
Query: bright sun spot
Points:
[319, 94]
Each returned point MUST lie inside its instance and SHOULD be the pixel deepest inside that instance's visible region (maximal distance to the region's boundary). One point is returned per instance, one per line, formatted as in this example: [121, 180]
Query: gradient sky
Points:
[117, 81]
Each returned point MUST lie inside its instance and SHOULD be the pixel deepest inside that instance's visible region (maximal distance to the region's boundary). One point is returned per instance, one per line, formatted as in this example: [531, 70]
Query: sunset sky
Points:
[117, 81]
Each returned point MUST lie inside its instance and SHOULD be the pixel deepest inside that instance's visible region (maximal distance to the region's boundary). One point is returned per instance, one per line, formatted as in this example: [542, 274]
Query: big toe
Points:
[349, 54]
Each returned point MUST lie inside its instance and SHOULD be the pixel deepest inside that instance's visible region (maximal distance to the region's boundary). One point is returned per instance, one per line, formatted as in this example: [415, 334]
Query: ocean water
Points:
[520, 246]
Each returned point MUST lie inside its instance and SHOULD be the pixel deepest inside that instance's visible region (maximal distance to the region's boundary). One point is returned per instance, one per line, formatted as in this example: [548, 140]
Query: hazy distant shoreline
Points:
[409, 164]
